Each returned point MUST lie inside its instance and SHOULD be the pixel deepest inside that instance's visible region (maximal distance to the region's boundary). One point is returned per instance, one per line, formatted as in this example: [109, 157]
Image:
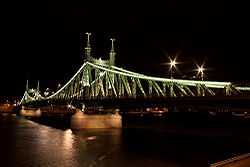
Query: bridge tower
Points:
[88, 48]
[37, 91]
[112, 53]
[38, 86]
[27, 85]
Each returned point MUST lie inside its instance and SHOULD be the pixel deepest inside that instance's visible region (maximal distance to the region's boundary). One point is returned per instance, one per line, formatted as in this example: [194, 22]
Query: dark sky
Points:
[40, 40]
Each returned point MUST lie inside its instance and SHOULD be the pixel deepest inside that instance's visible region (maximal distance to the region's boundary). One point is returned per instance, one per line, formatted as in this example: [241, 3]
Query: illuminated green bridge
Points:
[101, 79]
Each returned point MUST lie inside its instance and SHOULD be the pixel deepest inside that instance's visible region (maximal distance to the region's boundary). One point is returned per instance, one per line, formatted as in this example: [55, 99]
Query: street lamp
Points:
[172, 65]
[201, 71]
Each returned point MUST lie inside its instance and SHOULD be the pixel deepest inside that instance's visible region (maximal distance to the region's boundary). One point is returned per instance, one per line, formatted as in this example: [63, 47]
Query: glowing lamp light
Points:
[172, 63]
[68, 131]
[200, 69]
[91, 138]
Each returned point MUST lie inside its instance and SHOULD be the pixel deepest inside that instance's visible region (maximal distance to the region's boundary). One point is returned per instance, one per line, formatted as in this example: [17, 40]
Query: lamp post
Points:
[172, 65]
[201, 72]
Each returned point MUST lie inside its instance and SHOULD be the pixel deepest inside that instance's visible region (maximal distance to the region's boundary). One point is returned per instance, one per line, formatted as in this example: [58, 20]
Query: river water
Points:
[25, 143]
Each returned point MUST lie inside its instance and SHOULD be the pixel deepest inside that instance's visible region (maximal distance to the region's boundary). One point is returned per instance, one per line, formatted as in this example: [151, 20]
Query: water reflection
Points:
[67, 142]
[26, 143]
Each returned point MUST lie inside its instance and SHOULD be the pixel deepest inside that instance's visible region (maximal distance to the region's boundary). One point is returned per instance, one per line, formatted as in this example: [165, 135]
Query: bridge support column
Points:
[81, 120]
[30, 112]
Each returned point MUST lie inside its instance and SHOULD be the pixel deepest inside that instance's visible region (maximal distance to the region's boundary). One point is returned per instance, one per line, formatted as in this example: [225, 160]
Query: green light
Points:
[122, 72]
[211, 84]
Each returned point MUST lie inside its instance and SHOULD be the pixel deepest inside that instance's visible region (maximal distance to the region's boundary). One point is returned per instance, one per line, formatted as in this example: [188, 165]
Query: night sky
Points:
[41, 41]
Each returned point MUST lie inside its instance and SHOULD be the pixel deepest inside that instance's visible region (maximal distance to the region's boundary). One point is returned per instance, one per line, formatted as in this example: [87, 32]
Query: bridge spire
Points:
[88, 47]
[27, 85]
[38, 86]
[112, 53]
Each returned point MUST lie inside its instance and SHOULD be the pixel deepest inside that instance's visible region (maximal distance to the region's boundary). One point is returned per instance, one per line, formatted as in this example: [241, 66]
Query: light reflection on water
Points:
[34, 144]
[26, 143]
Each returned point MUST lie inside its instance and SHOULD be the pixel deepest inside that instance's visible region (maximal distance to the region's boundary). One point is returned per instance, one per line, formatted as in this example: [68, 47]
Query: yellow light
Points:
[91, 138]
[68, 131]
[172, 63]
[200, 69]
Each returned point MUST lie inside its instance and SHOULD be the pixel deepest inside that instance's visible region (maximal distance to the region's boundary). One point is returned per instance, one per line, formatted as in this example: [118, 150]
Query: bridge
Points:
[101, 83]
[101, 79]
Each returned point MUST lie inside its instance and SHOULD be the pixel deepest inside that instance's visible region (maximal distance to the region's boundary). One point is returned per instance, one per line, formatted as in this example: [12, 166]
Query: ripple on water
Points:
[28, 143]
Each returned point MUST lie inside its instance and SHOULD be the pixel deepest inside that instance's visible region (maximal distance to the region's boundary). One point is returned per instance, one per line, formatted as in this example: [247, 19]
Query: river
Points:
[25, 143]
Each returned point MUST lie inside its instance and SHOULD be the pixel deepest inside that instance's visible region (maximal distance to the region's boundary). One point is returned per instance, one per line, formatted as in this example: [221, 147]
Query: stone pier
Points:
[80, 120]
[30, 112]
